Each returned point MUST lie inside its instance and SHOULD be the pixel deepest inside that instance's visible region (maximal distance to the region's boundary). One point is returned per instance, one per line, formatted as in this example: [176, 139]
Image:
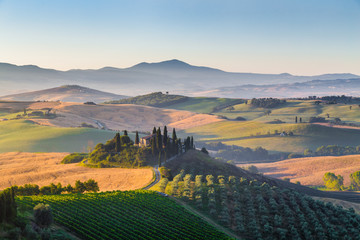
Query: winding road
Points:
[157, 173]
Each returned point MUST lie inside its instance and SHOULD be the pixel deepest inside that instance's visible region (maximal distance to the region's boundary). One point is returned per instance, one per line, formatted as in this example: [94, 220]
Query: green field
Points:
[137, 214]
[25, 136]
[254, 133]
[292, 108]
[203, 104]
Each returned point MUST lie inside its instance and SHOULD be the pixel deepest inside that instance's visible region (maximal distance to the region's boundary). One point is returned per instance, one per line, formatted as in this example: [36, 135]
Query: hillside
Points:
[157, 99]
[255, 206]
[19, 168]
[125, 116]
[310, 171]
[66, 93]
[317, 86]
[125, 215]
[171, 75]
[253, 134]
[178, 102]
[24, 135]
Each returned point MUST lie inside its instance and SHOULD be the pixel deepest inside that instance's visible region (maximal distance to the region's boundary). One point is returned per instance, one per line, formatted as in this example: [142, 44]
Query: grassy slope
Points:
[202, 104]
[254, 133]
[23, 135]
[292, 108]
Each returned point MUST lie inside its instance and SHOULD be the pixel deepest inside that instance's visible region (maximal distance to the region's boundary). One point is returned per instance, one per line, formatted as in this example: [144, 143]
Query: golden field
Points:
[19, 168]
[310, 171]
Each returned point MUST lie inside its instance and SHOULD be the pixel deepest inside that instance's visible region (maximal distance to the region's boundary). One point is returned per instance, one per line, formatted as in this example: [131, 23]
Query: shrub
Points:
[252, 169]
[43, 215]
[240, 119]
[74, 158]
[295, 155]
[203, 149]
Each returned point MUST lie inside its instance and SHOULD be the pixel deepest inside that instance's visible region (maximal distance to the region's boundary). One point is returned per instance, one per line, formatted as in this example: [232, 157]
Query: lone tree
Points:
[43, 215]
[204, 150]
[117, 143]
[137, 141]
[296, 119]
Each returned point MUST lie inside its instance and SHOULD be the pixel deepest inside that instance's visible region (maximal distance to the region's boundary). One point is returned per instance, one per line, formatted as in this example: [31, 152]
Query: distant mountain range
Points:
[174, 76]
[67, 93]
[350, 87]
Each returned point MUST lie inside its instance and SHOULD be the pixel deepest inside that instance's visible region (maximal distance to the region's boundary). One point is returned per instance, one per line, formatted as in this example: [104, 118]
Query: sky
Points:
[302, 37]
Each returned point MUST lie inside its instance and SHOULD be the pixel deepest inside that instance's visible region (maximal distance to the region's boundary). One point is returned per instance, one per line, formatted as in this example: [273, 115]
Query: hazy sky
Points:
[267, 36]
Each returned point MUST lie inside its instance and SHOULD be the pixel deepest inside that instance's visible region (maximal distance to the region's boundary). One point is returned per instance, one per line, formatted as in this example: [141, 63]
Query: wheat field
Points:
[19, 168]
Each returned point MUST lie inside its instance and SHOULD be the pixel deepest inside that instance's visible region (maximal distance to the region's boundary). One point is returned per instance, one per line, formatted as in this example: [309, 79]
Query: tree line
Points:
[32, 189]
[267, 102]
[336, 182]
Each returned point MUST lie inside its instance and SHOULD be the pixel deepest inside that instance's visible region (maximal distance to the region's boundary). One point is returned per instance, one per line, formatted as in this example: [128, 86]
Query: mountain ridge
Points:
[173, 75]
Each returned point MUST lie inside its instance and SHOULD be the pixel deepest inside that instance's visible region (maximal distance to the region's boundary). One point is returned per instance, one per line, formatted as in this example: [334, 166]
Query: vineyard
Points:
[259, 211]
[136, 214]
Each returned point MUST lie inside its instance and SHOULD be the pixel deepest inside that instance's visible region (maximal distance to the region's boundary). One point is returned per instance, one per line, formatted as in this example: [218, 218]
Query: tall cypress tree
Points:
[180, 147]
[192, 142]
[154, 130]
[174, 137]
[117, 143]
[159, 158]
[153, 146]
[165, 138]
[158, 139]
[174, 148]
[137, 140]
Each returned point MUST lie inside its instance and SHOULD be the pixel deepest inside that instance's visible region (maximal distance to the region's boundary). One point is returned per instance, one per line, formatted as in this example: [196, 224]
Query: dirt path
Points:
[205, 218]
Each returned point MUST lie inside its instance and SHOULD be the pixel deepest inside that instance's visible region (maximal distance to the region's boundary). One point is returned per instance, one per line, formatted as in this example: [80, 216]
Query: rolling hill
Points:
[347, 86]
[178, 102]
[310, 171]
[66, 93]
[253, 134]
[173, 75]
[73, 127]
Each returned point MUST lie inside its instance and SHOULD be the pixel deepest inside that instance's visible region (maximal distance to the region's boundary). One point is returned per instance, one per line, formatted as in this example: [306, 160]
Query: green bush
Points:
[74, 158]
[43, 215]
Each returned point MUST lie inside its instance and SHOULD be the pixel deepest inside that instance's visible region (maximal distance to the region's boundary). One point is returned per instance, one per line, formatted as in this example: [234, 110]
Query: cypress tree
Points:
[159, 158]
[174, 137]
[2, 207]
[137, 141]
[158, 139]
[125, 133]
[165, 136]
[192, 143]
[117, 143]
[174, 143]
[154, 130]
[153, 146]
[296, 119]
[180, 147]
